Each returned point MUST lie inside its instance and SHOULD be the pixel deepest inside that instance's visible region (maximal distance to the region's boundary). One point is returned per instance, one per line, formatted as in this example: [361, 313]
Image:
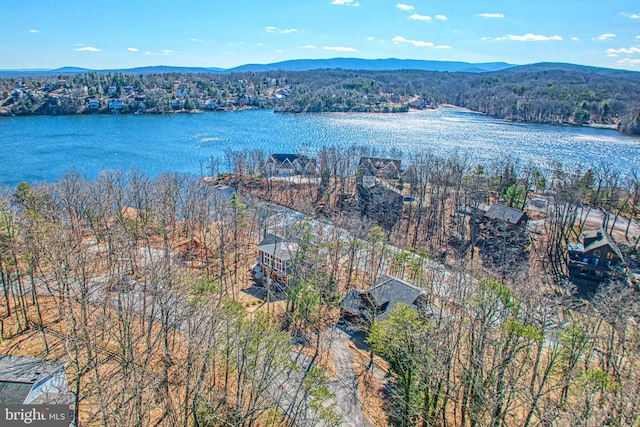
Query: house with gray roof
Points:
[290, 164]
[595, 256]
[31, 380]
[275, 256]
[375, 303]
[505, 214]
[378, 167]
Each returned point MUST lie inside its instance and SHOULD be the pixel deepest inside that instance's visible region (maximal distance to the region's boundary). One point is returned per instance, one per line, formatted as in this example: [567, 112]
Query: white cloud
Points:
[168, 52]
[339, 48]
[87, 49]
[346, 3]
[371, 38]
[418, 17]
[530, 37]
[132, 49]
[197, 40]
[418, 43]
[403, 6]
[148, 53]
[280, 51]
[441, 17]
[307, 46]
[624, 50]
[272, 30]
[605, 36]
[627, 61]
[259, 44]
[443, 46]
[490, 15]
[575, 39]
[635, 16]
[33, 31]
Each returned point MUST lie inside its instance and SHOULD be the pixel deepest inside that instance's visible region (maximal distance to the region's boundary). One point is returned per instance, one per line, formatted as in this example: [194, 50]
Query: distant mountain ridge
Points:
[390, 64]
[563, 66]
[356, 64]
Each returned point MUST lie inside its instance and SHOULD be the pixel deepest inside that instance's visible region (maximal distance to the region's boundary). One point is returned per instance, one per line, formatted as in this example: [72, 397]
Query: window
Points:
[267, 259]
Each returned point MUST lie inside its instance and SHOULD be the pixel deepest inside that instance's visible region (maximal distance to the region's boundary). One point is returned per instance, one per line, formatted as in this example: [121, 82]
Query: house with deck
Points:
[501, 223]
[596, 256]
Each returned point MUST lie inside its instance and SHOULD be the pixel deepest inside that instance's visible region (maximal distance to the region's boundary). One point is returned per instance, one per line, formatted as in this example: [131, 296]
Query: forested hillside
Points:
[540, 93]
[145, 287]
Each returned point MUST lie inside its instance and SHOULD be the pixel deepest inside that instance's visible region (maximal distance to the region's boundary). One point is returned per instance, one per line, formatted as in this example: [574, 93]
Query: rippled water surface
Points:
[41, 148]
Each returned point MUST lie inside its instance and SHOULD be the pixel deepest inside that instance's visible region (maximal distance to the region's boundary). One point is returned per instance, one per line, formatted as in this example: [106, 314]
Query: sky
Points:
[223, 33]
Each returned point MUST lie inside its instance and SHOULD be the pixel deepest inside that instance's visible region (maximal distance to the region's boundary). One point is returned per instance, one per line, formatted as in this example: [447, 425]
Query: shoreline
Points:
[458, 109]
[449, 107]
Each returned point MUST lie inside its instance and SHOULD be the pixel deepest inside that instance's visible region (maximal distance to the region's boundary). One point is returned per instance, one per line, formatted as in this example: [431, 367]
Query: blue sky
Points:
[218, 33]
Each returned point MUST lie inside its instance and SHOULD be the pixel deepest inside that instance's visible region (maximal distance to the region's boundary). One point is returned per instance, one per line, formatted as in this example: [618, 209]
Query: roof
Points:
[386, 293]
[379, 163]
[282, 157]
[14, 393]
[25, 369]
[594, 239]
[303, 160]
[18, 374]
[278, 247]
[505, 213]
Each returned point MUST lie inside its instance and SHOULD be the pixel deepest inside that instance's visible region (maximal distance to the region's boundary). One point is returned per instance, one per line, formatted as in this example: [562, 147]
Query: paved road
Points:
[345, 385]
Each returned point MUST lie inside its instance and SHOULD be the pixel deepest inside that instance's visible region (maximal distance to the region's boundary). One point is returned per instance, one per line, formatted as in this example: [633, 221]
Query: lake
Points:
[41, 148]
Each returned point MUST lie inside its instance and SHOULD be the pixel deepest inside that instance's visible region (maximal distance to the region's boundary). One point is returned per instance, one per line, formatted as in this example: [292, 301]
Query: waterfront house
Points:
[275, 256]
[115, 105]
[290, 164]
[94, 104]
[381, 168]
[31, 380]
[112, 91]
[595, 257]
